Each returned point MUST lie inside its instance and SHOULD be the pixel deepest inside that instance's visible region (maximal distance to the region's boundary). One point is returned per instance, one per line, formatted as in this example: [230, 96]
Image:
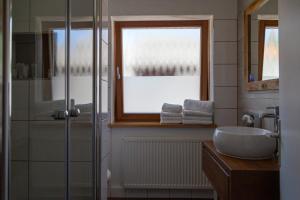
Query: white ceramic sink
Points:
[244, 142]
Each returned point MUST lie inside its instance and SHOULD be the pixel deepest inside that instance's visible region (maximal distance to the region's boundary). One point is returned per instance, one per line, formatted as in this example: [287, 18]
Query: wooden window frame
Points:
[263, 24]
[120, 116]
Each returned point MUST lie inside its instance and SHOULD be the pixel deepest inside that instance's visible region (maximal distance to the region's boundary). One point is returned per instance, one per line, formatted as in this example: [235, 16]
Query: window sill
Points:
[157, 125]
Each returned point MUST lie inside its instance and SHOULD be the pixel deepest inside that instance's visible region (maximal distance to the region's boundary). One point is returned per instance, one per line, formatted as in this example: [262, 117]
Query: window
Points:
[159, 62]
[81, 59]
[268, 64]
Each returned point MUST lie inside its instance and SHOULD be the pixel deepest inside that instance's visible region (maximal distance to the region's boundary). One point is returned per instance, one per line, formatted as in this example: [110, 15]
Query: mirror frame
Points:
[255, 85]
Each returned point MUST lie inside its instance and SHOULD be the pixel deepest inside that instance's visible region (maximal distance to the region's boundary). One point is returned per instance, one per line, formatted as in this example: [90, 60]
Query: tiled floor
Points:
[156, 199]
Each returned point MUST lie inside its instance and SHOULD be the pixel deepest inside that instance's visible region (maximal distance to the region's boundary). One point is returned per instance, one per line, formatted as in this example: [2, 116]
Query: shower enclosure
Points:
[54, 112]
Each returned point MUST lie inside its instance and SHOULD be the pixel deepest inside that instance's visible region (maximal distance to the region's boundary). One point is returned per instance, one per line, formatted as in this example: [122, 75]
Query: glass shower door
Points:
[39, 104]
[53, 100]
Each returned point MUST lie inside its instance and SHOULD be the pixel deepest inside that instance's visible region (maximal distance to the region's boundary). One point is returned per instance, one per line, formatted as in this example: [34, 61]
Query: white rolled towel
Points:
[171, 108]
[197, 105]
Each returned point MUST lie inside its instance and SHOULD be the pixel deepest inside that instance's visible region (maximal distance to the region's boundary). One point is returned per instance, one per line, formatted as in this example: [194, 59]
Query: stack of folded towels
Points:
[171, 114]
[197, 112]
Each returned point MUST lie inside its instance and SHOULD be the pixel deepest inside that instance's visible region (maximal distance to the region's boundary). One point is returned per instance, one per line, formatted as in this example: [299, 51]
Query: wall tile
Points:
[104, 98]
[19, 140]
[19, 180]
[42, 104]
[202, 194]
[81, 180]
[20, 10]
[104, 183]
[226, 117]
[226, 97]
[46, 180]
[225, 30]
[174, 7]
[136, 193]
[44, 135]
[105, 139]
[104, 60]
[156, 193]
[183, 194]
[225, 75]
[20, 26]
[225, 53]
[20, 90]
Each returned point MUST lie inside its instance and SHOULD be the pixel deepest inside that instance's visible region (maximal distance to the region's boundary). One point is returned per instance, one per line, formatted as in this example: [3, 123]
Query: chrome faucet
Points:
[276, 118]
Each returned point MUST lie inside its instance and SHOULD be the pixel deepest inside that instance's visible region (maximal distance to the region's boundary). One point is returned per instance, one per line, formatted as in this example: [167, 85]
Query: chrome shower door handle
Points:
[75, 112]
[60, 114]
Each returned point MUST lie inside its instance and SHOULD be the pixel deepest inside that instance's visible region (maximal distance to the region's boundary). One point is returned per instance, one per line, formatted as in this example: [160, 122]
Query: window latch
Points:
[118, 73]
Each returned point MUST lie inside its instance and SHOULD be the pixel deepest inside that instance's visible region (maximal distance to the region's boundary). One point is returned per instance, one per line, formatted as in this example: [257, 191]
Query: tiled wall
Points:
[225, 82]
[254, 101]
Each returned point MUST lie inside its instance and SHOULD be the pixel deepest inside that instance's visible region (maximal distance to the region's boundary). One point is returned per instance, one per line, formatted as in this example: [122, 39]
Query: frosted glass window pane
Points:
[271, 54]
[160, 65]
[81, 58]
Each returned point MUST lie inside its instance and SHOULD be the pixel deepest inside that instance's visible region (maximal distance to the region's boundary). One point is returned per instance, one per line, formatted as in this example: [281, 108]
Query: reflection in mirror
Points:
[268, 63]
[264, 62]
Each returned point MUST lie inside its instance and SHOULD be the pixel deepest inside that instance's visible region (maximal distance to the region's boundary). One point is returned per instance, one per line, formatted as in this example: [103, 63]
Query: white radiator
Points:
[163, 163]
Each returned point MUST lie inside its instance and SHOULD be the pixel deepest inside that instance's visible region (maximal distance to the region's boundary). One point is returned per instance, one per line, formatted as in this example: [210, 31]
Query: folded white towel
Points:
[169, 114]
[196, 105]
[170, 119]
[198, 118]
[172, 108]
[184, 121]
[196, 113]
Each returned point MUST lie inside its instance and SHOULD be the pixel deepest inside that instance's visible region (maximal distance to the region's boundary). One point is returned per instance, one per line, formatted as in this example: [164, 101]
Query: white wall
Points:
[225, 77]
[289, 93]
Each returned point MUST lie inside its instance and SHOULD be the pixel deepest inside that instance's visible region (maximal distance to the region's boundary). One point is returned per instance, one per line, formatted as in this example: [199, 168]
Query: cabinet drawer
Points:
[216, 175]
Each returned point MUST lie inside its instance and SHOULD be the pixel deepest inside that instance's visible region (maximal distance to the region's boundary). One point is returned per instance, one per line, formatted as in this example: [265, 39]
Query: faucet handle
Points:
[275, 108]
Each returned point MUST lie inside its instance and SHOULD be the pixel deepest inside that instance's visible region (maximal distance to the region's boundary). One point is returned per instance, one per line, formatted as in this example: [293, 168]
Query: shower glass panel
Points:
[43, 89]
[38, 100]
[81, 92]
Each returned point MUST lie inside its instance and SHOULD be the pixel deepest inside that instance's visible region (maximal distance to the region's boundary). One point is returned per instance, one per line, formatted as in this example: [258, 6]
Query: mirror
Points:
[261, 45]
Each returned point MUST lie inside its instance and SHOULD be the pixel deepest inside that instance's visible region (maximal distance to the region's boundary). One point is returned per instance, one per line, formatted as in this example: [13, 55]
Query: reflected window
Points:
[81, 61]
[269, 50]
[159, 62]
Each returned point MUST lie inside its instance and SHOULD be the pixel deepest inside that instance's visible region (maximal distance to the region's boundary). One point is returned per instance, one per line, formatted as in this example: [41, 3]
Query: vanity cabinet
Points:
[237, 179]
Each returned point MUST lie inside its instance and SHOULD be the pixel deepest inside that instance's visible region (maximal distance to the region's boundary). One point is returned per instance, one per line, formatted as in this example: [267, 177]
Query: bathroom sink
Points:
[244, 142]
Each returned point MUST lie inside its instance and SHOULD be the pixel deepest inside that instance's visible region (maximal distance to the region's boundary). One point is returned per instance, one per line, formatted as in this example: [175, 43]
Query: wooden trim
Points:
[120, 116]
[157, 125]
[263, 85]
[256, 85]
[49, 25]
[263, 24]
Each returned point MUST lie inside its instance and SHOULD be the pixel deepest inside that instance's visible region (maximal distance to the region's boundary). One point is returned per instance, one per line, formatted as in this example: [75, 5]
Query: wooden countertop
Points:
[235, 164]
[157, 125]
